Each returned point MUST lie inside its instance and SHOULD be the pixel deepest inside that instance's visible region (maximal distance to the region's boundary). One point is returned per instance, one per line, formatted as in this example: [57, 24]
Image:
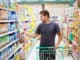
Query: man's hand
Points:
[56, 46]
[59, 40]
[34, 35]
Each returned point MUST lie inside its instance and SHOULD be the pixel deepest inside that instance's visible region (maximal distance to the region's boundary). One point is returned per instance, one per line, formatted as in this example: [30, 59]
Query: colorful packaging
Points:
[12, 15]
[0, 43]
[17, 56]
[1, 56]
[11, 37]
[10, 49]
[9, 27]
[3, 15]
[3, 28]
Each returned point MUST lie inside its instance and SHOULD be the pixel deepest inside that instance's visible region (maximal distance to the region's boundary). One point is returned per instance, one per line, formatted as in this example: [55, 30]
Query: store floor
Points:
[33, 55]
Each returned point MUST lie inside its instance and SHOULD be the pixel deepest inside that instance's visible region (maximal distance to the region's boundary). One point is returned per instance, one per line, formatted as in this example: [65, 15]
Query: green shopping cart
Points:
[50, 53]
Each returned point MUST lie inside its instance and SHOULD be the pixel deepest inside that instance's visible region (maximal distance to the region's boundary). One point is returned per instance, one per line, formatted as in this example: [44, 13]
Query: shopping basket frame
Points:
[62, 51]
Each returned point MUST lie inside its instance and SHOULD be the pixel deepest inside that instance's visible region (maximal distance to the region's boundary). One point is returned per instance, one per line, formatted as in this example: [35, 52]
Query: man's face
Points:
[43, 18]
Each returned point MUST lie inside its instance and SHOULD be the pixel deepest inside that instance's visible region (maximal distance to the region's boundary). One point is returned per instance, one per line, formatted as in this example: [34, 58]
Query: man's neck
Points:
[47, 21]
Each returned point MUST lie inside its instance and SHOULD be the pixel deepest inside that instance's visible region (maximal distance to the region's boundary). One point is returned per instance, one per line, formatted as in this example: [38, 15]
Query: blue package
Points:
[9, 15]
[9, 27]
[9, 38]
[1, 57]
[14, 26]
[13, 15]
[15, 36]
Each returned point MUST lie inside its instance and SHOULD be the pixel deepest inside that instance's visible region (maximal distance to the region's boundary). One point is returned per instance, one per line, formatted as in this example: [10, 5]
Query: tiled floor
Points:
[33, 55]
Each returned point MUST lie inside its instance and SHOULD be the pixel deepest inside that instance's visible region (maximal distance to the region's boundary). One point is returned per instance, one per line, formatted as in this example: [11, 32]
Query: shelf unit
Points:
[8, 45]
[13, 52]
[12, 47]
[6, 21]
[8, 33]
[6, 9]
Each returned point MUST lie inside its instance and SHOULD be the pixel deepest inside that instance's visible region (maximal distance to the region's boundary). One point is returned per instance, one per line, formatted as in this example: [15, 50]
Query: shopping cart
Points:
[50, 53]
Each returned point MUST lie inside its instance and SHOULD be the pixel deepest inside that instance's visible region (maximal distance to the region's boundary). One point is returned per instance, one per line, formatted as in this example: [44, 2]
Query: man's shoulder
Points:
[41, 24]
[54, 23]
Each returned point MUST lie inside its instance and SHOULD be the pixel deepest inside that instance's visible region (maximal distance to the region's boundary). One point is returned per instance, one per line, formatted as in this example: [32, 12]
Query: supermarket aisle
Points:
[34, 56]
[33, 52]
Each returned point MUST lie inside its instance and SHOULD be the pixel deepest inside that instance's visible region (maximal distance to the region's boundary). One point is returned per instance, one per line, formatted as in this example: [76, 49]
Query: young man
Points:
[48, 31]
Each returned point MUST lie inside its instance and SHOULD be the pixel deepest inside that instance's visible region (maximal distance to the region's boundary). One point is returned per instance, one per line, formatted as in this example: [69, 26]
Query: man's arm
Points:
[58, 32]
[34, 35]
[59, 39]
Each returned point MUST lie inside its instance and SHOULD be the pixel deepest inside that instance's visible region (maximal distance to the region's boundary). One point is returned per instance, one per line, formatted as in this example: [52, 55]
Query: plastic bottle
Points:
[9, 29]
[14, 26]
[17, 56]
[9, 15]
[11, 37]
[12, 15]
[15, 36]
[10, 49]
[0, 43]
[1, 56]
[2, 40]
[0, 28]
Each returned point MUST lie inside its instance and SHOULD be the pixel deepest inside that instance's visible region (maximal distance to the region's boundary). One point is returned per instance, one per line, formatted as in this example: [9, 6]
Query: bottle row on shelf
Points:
[9, 45]
[7, 15]
[7, 27]
[8, 39]
[8, 4]
[9, 52]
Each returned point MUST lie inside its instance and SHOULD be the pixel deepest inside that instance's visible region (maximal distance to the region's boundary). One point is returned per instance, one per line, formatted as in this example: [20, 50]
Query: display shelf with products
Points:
[73, 34]
[5, 9]
[27, 23]
[8, 33]
[8, 5]
[9, 42]
[12, 53]
[8, 45]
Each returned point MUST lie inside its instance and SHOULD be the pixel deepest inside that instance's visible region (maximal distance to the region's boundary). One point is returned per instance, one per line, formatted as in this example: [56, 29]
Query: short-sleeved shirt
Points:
[48, 33]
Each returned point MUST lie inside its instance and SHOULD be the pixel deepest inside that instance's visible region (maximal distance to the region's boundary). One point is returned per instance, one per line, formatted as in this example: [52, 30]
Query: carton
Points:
[3, 15]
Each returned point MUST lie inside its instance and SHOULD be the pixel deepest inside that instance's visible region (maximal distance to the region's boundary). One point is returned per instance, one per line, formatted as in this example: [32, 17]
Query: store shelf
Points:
[13, 52]
[8, 33]
[6, 9]
[6, 21]
[8, 45]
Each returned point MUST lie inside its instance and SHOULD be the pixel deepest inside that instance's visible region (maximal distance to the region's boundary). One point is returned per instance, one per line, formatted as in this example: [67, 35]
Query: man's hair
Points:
[45, 13]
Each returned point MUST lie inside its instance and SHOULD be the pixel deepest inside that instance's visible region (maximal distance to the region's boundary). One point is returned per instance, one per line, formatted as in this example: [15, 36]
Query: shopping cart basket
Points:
[50, 53]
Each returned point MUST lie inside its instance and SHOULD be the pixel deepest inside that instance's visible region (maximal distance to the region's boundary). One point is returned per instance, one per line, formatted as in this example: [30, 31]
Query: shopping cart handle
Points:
[48, 47]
